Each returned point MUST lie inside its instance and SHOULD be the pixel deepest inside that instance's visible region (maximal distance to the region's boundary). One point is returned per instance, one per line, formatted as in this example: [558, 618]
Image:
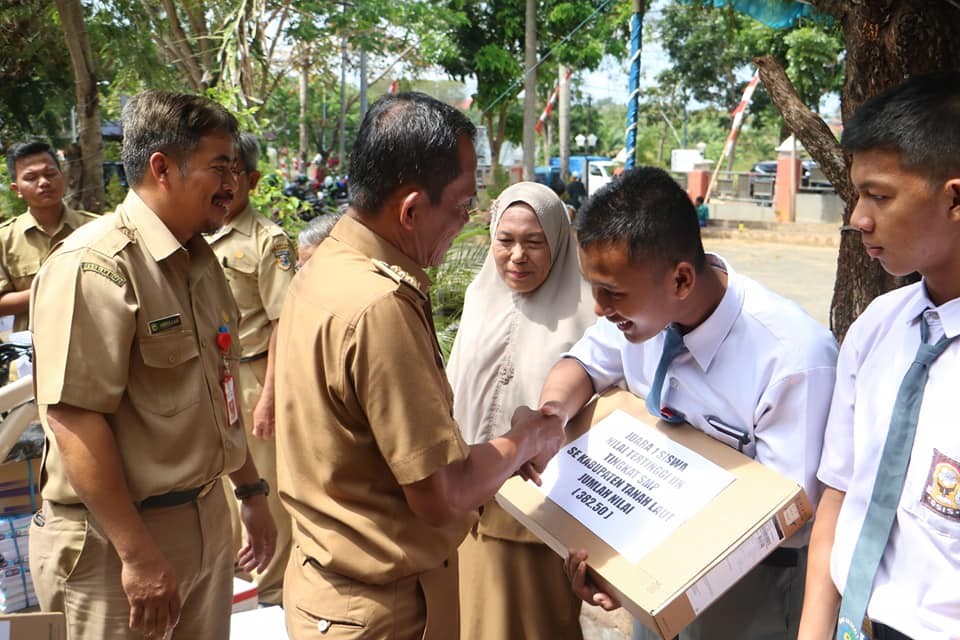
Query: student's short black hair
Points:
[406, 138]
[646, 209]
[24, 149]
[919, 120]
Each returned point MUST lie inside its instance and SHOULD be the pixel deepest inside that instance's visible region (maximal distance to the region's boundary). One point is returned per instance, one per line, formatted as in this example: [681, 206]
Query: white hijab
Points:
[508, 341]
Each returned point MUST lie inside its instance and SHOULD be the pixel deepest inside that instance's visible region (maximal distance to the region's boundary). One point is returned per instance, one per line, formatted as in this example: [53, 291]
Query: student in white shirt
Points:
[756, 374]
[905, 146]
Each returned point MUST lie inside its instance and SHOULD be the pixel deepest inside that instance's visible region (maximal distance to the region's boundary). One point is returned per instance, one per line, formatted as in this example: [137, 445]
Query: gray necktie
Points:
[882, 509]
[672, 347]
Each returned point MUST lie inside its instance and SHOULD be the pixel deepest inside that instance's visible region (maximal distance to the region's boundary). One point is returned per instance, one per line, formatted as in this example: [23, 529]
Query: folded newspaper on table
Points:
[670, 517]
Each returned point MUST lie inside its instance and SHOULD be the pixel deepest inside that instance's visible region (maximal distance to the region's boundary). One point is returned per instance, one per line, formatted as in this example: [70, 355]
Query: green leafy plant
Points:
[451, 279]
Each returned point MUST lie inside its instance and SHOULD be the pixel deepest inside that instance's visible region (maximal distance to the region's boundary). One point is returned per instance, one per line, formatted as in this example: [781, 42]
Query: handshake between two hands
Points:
[544, 428]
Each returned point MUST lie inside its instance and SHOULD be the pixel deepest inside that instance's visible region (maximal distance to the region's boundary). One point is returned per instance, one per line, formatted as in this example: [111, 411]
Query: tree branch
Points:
[809, 128]
[195, 14]
[183, 56]
[181, 40]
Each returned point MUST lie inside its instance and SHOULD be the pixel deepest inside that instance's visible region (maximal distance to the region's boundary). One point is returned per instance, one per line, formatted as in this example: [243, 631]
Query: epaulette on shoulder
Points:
[398, 275]
[7, 222]
[88, 214]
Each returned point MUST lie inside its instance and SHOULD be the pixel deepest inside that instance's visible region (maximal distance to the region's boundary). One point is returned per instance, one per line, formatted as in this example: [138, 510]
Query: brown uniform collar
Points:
[68, 217]
[351, 231]
[242, 223]
[157, 238]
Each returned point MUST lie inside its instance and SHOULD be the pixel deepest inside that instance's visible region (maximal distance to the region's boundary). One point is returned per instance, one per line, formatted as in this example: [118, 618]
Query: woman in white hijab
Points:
[525, 308]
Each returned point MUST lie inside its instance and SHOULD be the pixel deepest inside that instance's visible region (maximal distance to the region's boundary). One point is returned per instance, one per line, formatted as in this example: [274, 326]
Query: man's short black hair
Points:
[406, 138]
[646, 209]
[919, 120]
[24, 149]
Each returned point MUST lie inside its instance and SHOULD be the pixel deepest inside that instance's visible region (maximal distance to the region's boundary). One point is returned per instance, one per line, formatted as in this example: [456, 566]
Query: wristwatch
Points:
[245, 491]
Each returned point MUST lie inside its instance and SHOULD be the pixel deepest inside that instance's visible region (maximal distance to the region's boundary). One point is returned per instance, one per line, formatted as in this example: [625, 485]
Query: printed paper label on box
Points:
[736, 565]
[631, 485]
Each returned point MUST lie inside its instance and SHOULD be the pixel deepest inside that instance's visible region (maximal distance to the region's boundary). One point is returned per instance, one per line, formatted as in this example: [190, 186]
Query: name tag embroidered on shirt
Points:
[162, 324]
[109, 274]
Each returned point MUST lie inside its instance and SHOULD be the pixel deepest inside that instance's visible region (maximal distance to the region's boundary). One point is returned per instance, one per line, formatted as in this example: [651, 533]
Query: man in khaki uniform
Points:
[372, 468]
[26, 240]
[256, 256]
[135, 356]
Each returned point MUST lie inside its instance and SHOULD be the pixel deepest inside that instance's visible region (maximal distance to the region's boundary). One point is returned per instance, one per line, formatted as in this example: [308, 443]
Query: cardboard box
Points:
[19, 488]
[667, 587]
[33, 626]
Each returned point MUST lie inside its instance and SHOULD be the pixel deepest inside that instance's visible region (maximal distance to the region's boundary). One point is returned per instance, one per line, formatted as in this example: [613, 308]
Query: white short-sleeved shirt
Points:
[757, 375]
[916, 590]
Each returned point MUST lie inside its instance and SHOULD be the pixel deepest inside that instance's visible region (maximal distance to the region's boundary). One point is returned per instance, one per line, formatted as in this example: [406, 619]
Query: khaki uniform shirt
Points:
[258, 260]
[363, 407]
[125, 324]
[24, 246]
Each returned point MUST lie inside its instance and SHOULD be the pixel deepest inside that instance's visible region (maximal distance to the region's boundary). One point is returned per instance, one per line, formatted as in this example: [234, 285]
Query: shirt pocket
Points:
[728, 433]
[168, 379]
[241, 273]
[935, 501]
[22, 270]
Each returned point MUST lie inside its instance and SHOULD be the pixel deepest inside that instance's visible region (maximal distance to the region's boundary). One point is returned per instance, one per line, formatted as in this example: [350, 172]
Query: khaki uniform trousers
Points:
[322, 605]
[516, 590]
[264, 452]
[77, 571]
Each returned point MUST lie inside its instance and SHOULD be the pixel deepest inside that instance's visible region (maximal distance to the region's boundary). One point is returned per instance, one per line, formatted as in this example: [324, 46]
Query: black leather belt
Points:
[176, 498]
[254, 358]
[783, 557]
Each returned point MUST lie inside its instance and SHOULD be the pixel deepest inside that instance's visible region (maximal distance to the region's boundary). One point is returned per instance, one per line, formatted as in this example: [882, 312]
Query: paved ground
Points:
[801, 272]
[799, 267]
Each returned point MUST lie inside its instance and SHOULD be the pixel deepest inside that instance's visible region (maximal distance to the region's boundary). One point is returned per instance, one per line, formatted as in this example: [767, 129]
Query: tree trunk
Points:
[530, 91]
[886, 42]
[88, 105]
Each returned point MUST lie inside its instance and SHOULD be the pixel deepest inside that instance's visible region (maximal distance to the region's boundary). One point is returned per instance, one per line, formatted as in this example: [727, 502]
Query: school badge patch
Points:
[283, 259]
[943, 482]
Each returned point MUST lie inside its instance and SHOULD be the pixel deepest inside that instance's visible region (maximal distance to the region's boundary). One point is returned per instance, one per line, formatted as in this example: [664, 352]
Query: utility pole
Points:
[636, 35]
[342, 150]
[304, 87]
[563, 119]
[530, 91]
[363, 81]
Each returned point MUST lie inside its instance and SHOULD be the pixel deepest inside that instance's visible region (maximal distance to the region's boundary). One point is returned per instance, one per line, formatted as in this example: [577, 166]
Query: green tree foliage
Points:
[36, 88]
[487, 42]
[710, 47]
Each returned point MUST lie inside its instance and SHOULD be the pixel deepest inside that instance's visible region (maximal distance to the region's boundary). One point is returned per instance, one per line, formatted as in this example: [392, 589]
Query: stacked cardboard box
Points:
[19, 487]
[16, 585]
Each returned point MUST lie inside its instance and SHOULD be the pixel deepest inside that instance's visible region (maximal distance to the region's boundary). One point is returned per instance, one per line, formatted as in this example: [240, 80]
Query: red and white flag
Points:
[738, 115]
[548, 110]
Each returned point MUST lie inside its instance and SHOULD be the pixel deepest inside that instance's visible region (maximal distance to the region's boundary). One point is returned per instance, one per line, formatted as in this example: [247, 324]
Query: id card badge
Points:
[230, 397]
[224, 340]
